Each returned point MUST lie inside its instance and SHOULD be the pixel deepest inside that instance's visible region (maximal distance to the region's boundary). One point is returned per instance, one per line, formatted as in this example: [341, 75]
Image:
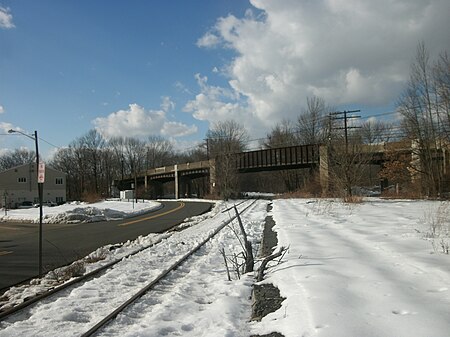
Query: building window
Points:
[22, 180]
[59, 200]
[59, 181]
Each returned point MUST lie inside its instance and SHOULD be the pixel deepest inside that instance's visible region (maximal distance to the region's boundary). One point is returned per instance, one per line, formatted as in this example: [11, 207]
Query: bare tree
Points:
[285, 134]
[134, 156]
[441, 76]
[348, 157]
[117, 147]
[16, 158]
[83, 162]
[64, 160]
[197, 153]
[424, 106]
[93, 144]
[348, 166]
[160, 152]
[375, 132]
[224, 140]
[313, 123]
[91, 163]
[282, 134]
[228, 136]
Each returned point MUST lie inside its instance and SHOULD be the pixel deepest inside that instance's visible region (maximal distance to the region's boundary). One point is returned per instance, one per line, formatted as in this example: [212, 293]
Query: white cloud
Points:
[5, 127]
[208, 40]
[182, 88]
[183, 145]
[167, 105]
[346, 51]
[136, 121]
[177, 129]
[2, 109]
[6, 18]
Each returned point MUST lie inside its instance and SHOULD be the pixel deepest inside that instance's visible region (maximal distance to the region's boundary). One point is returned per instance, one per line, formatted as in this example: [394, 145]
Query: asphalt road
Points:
[65, 243]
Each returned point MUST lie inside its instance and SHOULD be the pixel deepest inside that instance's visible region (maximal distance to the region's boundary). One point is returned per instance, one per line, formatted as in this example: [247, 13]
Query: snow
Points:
[75, 212]
[360, 270]
[76, 310]
[371, 269]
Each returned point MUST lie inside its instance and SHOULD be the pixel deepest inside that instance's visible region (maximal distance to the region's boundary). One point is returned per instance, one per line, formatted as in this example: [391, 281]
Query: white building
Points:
[19, 184]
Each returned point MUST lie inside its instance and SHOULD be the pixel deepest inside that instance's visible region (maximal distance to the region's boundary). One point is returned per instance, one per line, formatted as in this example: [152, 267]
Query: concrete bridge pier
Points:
[324, 161]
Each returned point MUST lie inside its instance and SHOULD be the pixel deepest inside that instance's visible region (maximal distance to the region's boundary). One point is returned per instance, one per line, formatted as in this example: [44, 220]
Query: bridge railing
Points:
[278, 157]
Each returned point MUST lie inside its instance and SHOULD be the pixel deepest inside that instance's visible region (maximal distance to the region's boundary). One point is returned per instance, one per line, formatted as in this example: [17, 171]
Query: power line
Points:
[345, 117]
[47, 142]
[40, 138]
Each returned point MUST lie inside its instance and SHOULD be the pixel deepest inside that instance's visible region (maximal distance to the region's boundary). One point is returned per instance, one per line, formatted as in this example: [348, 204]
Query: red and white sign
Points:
[41, 173]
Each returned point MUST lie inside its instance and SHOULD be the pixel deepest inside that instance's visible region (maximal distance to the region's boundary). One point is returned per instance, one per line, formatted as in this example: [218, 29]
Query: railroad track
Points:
[81, 305]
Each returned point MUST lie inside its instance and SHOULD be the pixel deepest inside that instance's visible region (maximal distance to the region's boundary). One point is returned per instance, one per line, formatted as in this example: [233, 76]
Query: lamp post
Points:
[40, 192]
[132, 188]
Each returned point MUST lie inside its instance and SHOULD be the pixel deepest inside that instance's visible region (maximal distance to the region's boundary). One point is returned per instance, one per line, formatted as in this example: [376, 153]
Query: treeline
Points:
[93, 163]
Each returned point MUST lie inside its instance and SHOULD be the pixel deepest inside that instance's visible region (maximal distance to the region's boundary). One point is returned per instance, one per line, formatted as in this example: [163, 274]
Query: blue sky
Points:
[65, 63]
[171, 68]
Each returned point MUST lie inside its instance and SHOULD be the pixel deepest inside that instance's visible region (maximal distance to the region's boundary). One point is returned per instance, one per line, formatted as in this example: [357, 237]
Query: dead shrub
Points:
[438, 221]
[410, 191]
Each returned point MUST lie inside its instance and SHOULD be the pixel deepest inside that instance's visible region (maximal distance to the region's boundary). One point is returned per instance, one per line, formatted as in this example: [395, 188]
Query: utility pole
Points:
[40, 183]
[345, 117]
[347, 160]
[207, 148]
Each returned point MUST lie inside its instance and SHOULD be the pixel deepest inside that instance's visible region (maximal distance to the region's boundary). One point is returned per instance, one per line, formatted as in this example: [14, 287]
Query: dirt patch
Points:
[272, 334]
[266, 297]
[269, 239]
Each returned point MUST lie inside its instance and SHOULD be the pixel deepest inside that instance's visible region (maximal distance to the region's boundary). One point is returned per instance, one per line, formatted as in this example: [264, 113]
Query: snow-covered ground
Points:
[204, 301]
[74, 212]
[372, 269]
[368, 269]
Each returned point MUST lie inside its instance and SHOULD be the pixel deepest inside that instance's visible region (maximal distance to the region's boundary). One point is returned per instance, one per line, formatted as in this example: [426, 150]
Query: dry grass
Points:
[91, 197]
[295, 194]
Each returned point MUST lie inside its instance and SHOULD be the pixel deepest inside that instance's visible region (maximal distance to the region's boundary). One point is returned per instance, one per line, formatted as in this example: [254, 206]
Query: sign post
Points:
[41, 173]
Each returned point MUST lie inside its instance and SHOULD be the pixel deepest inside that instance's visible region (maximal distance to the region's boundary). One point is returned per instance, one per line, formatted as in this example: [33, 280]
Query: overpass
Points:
[181, 175]
[283, 158]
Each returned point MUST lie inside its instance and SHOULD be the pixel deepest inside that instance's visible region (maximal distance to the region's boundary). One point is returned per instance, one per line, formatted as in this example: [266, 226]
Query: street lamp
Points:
[40, 192]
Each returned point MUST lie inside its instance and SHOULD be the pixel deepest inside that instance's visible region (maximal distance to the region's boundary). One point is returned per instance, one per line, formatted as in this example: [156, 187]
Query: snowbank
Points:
[76, 212]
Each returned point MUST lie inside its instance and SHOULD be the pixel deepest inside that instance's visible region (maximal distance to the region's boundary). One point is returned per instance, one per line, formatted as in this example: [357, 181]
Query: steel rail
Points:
[161, 276]
[8, 312]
